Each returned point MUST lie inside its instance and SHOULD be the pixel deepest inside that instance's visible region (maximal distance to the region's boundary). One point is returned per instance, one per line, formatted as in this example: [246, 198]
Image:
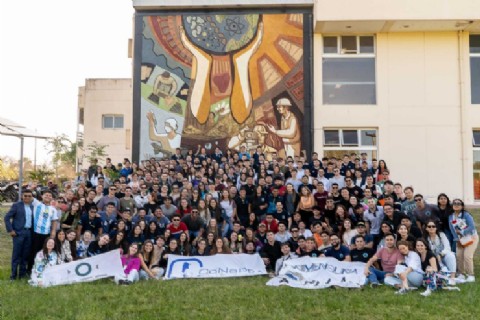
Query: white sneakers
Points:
[470, 279]
[426, 293]
[461, 277]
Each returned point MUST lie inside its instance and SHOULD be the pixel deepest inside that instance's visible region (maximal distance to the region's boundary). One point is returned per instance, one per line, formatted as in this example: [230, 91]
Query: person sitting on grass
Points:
[409, 273]
[389, 257]
[131, 265]
[150, 268]
[47, 257]
[83, 244]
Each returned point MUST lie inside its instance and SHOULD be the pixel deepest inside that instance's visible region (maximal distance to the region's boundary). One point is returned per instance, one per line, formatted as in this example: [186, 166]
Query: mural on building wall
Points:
[226, 80]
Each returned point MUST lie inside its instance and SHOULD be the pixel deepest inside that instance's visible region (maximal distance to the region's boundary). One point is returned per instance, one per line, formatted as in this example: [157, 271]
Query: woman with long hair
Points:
[291, 199]
[348, 232]
[152, 231]
[433, 279]
[234, 243]
[136, 236]
[305, 204]
[71, 217]
[439, 245]
[47, 257]
[409, 273]
[150, 268]
[259, 203]
[152, 203]
[203, 211]
[118, 242]
[220, 247]
[252, 221]
[63, 246]
[465, 235]
[445, 209]
[131, 266]
[229, 211]
[72, 240]
[404, 235]
[184, 246]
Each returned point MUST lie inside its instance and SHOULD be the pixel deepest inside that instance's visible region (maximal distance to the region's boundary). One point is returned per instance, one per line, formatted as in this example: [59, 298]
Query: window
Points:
[338, 142]
[112, 121]
[475, 68]
[476, 164]
[349, 70]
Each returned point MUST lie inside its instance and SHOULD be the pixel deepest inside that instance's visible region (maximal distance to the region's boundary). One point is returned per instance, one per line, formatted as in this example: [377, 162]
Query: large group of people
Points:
[238, 202]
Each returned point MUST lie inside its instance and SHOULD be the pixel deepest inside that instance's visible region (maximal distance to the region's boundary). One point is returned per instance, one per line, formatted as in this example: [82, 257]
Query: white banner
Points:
[101, 266]
[217, 266]
[319, 273]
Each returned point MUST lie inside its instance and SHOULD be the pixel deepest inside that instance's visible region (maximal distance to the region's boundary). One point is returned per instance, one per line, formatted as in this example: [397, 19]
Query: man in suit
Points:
[19, 224]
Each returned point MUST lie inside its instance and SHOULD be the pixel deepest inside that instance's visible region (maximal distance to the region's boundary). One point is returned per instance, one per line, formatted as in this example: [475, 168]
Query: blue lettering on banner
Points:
[185, 266]
[324, 266]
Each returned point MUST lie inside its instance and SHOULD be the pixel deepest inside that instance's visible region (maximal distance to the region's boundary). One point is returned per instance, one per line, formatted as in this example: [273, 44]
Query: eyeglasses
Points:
[176, 220]
[418, 199]
[431, 226]
[194, 211]
[113, 189]
[457, 203]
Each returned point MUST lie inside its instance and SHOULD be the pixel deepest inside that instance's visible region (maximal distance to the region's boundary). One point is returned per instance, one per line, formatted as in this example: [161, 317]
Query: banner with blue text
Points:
[319, 273]
[217, 266]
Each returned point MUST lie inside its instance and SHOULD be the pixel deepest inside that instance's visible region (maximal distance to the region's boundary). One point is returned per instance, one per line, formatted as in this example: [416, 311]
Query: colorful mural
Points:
[226, 80]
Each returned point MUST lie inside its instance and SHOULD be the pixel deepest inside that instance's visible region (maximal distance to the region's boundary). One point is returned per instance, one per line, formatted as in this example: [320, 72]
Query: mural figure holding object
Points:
[289, 128]
[170, 140]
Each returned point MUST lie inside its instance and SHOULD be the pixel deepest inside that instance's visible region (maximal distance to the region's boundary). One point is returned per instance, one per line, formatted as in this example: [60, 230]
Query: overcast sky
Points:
[48, 50]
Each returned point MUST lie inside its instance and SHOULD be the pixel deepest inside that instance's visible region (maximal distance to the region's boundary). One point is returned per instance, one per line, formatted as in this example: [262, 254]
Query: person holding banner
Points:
[286, 255]
[337, 250]
[131, 266]
[45, 258]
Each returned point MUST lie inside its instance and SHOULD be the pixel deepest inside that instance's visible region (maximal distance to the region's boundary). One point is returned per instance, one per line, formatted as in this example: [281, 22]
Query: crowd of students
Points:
[239, 202]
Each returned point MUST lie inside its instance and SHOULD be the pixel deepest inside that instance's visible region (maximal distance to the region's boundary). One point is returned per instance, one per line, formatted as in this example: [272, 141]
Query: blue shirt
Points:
[28, 215]
[339, 254]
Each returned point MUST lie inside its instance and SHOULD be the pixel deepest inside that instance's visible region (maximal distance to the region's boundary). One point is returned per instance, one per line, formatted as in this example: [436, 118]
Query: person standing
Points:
[45, 219]
[465, 235]
[19, 223]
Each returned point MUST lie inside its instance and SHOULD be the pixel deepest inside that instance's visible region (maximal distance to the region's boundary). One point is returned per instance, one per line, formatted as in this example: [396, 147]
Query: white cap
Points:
[172, 123]
[284, 102]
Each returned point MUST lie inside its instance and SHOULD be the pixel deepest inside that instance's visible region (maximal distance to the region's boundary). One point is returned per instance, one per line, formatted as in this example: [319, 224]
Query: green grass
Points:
[235, 298]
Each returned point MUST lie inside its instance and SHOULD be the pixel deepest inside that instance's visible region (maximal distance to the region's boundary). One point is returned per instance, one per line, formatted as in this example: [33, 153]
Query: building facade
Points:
[398, 79]
[105, 118]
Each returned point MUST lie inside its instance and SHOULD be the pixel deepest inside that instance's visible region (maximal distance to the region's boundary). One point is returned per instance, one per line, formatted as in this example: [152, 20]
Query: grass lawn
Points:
[235, 298]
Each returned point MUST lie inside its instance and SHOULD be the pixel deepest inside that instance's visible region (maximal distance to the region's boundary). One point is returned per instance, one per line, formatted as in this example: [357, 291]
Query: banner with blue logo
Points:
[217, 266]
[319, 273]
[101, 266]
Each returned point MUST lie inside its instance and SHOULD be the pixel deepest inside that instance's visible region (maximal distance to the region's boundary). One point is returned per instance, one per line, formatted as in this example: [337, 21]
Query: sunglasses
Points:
[418, 199]
[176, 220]
[457, 203]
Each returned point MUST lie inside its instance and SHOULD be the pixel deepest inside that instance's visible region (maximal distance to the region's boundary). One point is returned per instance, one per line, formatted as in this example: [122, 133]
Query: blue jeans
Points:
[376, 276]
[22, 243]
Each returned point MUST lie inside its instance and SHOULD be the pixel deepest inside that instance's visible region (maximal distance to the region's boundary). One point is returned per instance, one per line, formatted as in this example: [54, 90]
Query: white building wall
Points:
[418, 112]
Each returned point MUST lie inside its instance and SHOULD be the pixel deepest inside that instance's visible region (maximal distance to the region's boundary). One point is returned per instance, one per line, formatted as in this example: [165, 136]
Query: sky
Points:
[48, 50]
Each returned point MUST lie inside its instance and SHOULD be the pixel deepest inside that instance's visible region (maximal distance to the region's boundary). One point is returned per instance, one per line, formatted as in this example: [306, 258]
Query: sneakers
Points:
[461, 277]
[452, 282]
[470, 279]
[401, 291]
[374, 284]
[426, 293]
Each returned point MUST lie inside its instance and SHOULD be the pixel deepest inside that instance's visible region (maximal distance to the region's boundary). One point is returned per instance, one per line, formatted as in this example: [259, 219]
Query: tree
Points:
[64, 153]
[97, 151]
[41, 175]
